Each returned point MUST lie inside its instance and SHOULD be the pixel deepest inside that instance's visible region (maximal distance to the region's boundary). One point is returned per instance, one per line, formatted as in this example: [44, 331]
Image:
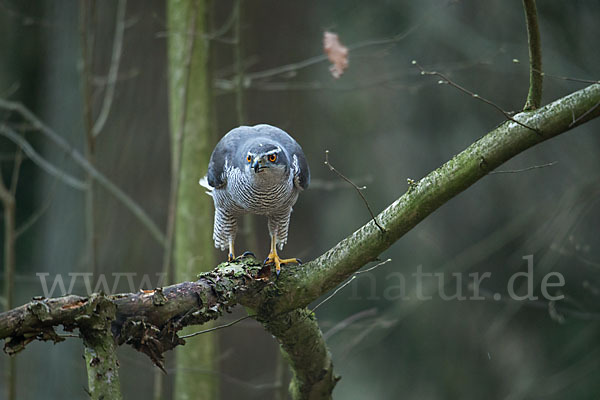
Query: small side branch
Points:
[516, 171]
[113, 71]
[536, 76]
[302, 344]
[40, 161]
[358, 189]
[446, 80]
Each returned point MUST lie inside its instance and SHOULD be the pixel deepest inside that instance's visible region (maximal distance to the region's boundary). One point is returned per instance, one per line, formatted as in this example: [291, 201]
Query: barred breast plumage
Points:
[259, 170]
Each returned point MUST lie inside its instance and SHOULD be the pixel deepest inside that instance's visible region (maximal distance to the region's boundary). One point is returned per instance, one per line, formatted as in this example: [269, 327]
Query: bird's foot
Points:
[246, 254]
[273, 258]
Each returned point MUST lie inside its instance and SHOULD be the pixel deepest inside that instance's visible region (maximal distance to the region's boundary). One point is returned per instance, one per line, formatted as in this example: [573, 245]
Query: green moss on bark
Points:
[303, 346]
[100, 352]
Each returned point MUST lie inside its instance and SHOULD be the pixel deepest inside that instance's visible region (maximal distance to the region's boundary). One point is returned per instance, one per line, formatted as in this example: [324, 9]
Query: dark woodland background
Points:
[383, 123]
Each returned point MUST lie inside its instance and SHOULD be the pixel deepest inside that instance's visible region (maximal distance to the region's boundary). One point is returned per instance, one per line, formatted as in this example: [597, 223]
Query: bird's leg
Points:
[231, 255]
[273, 257]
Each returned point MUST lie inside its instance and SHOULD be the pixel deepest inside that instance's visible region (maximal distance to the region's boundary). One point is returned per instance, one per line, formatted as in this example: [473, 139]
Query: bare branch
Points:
[348, 282]
[40, 161]
[358, 189]
[215, 328]
[15, 172]
[567, 78]
[238, 61]
[536, 78]
[585, 114]
[295, 67]
[516, 171]
[346, 322]
[449, 81]
[33, 218]
[135, 209]
[113, 72]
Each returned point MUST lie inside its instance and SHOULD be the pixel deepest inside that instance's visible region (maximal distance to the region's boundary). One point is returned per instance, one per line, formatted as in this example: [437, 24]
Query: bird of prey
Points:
[259, 170]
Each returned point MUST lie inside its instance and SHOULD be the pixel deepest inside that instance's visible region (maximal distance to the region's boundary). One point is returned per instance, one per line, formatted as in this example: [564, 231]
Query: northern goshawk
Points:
[259, 170]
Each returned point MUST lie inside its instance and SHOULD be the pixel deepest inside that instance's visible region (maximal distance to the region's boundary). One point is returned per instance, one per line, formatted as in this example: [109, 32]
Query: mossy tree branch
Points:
[149, 321]
[303, 346]
[99, 348]
[536, 77]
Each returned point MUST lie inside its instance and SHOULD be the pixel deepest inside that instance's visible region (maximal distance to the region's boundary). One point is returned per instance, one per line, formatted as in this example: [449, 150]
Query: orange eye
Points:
[272, 157]
[249, 159]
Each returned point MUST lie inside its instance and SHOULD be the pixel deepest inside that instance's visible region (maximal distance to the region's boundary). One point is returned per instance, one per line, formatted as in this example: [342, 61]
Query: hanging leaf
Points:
[336, 52]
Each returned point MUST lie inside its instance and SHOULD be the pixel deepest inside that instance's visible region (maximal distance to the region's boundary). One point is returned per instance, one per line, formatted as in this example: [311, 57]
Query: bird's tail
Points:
[204, 183]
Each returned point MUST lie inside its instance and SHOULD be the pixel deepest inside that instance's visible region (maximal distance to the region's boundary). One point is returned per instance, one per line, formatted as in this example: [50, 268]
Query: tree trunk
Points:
[190, 104]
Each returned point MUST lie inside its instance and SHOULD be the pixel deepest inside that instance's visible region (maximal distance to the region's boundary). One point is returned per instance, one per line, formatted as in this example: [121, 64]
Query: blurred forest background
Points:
[383, 123]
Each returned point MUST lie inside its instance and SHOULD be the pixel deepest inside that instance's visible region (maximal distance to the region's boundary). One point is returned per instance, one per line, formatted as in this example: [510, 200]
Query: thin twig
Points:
[14, 181]
[217, 34]
[358, 189]
[238, 61]
[59, 141]
[575, 121]
[348, 282]
[450, 82]
[113, 71]
[177, 151]
[5, 195]
[536, 78]
[227, 325]
[294, 67]
[346, 322]
[567, 78]
[330, 185]
[33, 218]
[515, 171]
[392, 81]
[40, 161]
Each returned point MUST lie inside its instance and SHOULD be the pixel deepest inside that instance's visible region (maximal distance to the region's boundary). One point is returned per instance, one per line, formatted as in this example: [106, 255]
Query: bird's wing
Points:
[217, 165]
[301, 171]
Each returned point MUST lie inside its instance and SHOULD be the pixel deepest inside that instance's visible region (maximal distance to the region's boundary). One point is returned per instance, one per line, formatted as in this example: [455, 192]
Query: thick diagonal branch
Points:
[302, 285]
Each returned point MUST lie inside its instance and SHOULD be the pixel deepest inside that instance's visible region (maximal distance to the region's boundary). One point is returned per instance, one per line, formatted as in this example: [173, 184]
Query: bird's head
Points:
[266, 160]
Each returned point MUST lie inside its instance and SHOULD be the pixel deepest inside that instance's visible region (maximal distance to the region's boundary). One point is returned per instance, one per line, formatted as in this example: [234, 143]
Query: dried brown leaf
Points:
[336, 52]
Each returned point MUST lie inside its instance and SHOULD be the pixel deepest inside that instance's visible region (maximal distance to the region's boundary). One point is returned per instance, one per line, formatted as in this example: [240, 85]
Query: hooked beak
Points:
[256, 166]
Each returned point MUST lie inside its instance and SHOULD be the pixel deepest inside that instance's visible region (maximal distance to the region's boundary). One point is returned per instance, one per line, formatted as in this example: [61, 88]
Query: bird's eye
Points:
[272, 157]
[249, 159]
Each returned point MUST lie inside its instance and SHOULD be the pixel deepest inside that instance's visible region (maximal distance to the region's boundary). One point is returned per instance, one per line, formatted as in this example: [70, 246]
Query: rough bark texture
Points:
[150, 320]
[304, 348]
[100, 353]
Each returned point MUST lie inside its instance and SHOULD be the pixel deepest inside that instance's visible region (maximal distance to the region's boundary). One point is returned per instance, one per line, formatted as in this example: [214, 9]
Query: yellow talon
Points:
[231, 255]
[274, 258]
